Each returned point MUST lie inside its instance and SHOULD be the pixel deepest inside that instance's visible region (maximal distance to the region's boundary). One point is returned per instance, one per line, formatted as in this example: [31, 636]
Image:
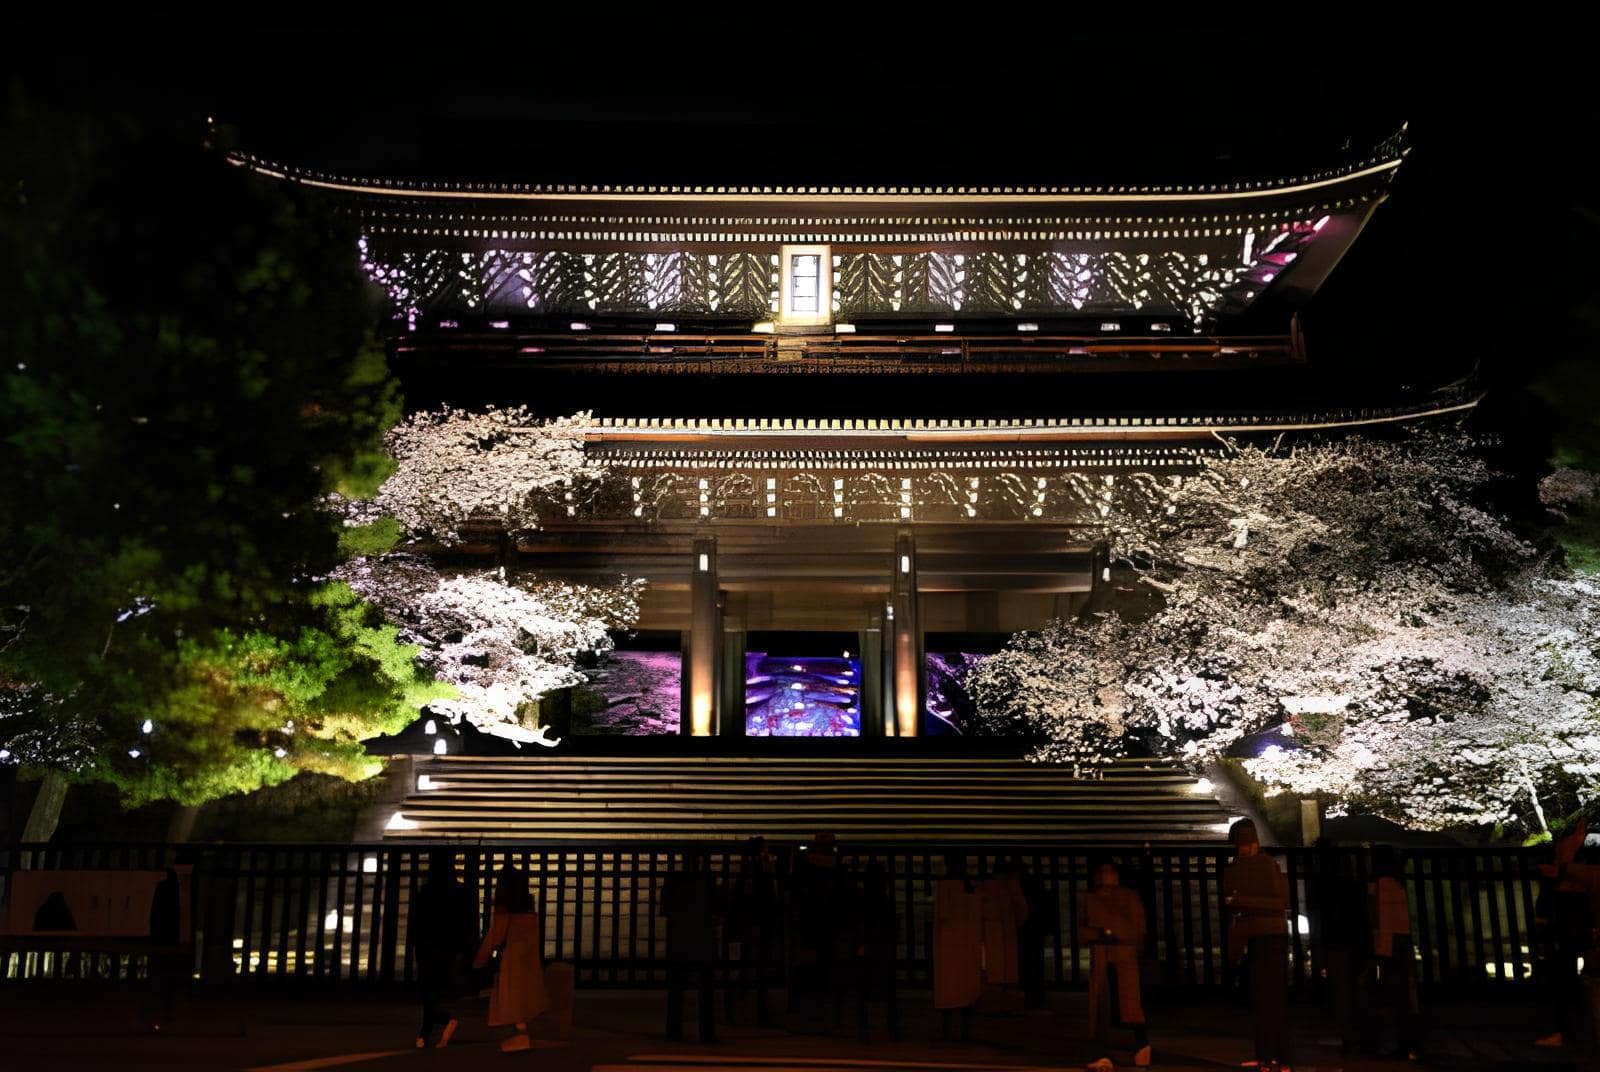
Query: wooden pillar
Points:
[701, 686]
[730, 694]
[873, 677]
[905, 636]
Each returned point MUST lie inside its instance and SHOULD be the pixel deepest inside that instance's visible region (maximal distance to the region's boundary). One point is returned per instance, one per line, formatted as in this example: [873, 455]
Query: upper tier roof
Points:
[1376, 167]
[1225, 257]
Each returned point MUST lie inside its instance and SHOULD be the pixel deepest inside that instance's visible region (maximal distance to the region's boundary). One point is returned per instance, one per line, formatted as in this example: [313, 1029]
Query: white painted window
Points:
[807, 282]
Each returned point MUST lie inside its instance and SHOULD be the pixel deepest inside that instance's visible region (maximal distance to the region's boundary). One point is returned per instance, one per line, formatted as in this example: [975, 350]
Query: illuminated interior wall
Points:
[802, 695]
[635, 690]
[948, 707]
[948, 710]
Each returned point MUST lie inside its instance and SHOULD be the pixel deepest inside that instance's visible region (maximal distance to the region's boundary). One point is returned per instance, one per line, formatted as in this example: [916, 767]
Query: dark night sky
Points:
[1480, 244]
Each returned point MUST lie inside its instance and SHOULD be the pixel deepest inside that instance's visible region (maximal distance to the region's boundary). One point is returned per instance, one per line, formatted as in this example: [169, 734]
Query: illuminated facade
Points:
[897, 540]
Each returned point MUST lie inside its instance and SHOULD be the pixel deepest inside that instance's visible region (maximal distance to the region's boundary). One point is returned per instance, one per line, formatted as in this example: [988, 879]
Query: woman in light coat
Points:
[519, 992]
[957, 945]
[1005, 910]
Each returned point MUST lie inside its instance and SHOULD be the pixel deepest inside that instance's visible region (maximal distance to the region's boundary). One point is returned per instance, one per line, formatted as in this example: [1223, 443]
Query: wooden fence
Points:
[335, 915]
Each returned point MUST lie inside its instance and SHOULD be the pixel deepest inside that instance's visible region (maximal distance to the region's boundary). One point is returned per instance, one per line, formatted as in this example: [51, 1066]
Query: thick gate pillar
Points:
[704, 634]
[730, 691]
[905, 631]
[875, 675]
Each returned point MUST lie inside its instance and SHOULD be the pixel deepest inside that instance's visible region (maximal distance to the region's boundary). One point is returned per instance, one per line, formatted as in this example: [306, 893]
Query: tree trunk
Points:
[181, 826]
[46, 812]
[1538, 806]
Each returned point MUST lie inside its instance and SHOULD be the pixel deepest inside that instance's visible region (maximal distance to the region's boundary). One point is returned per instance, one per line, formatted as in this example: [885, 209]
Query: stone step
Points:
[904, 799]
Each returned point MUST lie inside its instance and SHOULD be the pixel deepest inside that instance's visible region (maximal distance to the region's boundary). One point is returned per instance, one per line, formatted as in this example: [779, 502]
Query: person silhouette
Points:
[441, 933]
[1256, 896]
[1112, 924]
[687, 902]
[514, 928]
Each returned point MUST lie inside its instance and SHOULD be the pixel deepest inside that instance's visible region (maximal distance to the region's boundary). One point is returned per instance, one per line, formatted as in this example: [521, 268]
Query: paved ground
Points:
[71, 1027]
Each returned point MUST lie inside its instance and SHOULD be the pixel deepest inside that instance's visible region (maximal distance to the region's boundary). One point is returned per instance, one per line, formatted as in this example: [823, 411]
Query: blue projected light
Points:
[801, 696]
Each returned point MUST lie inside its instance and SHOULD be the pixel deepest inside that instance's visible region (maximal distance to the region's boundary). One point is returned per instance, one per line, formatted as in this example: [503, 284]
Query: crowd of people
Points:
[821, 931]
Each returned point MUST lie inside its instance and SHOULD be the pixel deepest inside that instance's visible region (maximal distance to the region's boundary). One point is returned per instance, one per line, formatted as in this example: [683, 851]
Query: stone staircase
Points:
[900, 799]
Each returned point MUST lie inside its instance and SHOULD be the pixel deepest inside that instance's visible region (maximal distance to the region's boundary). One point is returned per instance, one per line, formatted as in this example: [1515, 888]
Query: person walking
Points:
[1393, 965]
[168, 948]
[514, 928]
[822, 891]
[1569, 912]
[957, 945]
[1043, 921]
[1112, 924]
[1340, 937]
[688, 903]
[440, 932]
[1257, 897]
[1005, 912]
[752, 922]
[876, 934]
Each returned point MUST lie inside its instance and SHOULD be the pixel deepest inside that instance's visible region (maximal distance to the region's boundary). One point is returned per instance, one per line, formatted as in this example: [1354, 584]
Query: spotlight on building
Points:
[1202, 788]
[944, 329]
[1110, 325]
[766, 327]
[440, 747]
[577, 325]
[1027, 326]
[662, 329]
[844, 329]
[397, 821]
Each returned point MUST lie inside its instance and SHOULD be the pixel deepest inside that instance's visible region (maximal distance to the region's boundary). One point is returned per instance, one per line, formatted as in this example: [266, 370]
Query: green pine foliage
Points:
[377, 538]
[251, 709]
[189, 367]
[1579, 536]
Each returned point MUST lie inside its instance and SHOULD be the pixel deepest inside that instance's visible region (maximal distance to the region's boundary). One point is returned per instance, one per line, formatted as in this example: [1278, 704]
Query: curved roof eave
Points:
[1379, 167]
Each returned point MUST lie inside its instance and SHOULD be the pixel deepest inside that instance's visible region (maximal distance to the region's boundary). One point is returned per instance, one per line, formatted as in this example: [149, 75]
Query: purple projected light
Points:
[642, 691]
[801, 696]
[949, 706]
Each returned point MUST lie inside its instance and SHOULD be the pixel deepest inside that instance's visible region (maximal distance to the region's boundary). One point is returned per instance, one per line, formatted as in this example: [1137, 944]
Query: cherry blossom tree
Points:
[1416, 658]
[502, 643]
[499, 466]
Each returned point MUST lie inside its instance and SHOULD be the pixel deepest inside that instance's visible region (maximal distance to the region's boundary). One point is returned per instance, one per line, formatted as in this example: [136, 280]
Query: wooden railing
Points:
[335, 915]
[689, 351]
